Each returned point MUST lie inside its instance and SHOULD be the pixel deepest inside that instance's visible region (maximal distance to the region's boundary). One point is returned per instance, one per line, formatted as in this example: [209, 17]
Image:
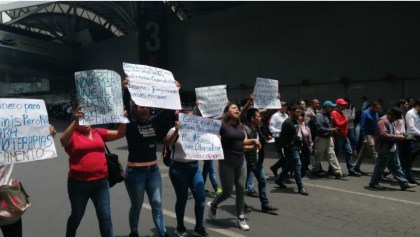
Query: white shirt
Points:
[350, 113]
[179, 155]
[412, 121]
[276, 122]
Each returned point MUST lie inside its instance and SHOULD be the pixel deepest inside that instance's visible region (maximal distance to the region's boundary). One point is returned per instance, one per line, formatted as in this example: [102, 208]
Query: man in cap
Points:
[324, 142]
[342, 141]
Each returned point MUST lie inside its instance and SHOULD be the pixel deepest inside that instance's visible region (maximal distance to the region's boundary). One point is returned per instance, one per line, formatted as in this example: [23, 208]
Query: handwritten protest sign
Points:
[100, 95]
[24, 131]
[211, 100]
[152, 87]
[266, 91]
[198, 137]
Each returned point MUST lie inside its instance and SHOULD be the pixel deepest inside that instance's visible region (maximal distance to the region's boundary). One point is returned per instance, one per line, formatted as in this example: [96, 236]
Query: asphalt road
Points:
[346, 207]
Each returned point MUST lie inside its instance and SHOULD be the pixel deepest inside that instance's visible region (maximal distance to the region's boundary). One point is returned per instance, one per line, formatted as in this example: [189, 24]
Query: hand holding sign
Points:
[266, 91]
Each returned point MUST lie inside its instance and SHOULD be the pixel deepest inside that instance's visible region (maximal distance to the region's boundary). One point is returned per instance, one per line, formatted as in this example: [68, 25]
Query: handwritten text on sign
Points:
[211, 100]
[100, 95]
[198, 137]
[24, 131]
[152, 87]
[266, 91]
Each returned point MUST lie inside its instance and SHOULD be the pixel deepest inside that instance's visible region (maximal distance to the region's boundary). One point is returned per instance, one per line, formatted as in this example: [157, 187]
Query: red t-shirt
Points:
[87, 157]
[341, 121]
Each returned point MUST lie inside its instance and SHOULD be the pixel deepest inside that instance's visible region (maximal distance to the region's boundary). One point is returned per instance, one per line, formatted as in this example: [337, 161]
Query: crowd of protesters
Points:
[304, 134]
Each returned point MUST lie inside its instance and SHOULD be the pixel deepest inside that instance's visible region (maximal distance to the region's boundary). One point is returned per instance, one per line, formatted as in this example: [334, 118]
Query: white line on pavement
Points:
[192, 221]
[364, 194]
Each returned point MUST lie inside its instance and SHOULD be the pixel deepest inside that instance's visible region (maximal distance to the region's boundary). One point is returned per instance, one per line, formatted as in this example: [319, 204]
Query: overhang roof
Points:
[62, 21]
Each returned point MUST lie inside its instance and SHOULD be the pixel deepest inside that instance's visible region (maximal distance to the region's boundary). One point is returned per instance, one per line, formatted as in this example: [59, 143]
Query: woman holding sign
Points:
[142, 172]
[186, 174]
[88, 172]
[232, 170]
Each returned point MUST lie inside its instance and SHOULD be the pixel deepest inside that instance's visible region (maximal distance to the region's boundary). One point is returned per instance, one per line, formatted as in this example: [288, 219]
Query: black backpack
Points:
[168, 153]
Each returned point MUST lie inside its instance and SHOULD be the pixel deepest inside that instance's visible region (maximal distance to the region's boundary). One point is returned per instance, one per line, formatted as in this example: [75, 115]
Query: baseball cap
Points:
[341, 101]
[328, 104]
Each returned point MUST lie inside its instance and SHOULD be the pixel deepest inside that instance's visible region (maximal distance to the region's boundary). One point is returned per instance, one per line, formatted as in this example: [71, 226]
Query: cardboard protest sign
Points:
[152, 87]
[266, 91]
[211, 100]
[198, 137]
[24, 131]
[100, 95]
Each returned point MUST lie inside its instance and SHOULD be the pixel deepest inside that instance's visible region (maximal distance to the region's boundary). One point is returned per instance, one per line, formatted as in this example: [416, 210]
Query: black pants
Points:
[282, 161]
[304, 159]
[407, 159]
[12, 230]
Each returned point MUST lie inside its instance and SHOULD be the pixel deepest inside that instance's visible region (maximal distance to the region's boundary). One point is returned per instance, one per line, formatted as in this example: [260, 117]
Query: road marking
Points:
[192, 221]
[364, 194]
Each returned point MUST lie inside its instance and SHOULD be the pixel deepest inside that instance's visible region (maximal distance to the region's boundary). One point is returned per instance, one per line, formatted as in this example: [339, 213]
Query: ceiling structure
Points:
[63, 21]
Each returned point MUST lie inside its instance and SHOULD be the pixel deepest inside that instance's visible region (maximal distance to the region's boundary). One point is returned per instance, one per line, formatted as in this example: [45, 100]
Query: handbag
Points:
[115, 170]
[14, 201]
[168, 153]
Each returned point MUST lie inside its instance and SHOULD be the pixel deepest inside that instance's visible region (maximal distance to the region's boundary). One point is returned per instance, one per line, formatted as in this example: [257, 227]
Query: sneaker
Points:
[338, 175]
[200, 233]
[354, 173]
[409, 186]
[303, 192]
[280, 184]
[181, 232]
[212, 211]
[361, 172]
[376, 186]
[269, 208]
[133, 234]
[253, 194]
[218, 191]
[242, 224]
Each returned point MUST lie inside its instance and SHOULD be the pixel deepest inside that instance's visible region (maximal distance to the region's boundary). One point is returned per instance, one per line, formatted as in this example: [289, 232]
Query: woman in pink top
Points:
[88, 172]
[308, 144]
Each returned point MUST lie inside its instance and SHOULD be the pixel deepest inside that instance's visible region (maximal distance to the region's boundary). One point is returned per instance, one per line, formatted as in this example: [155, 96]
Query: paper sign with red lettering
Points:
[24, 131]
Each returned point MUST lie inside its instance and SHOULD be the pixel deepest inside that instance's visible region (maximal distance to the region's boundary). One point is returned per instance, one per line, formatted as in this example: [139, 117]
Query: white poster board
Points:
[266, 91]
[211, 100]
[199, 137]
[100, 95]
[152, 87]
[24, 131]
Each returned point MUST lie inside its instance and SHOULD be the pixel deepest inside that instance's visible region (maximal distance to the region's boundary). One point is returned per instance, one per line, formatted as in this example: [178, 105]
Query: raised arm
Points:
[66, 136]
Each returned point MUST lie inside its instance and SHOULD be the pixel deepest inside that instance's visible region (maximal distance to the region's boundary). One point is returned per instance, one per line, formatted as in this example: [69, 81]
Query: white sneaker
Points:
[242, 224]
[212, 211]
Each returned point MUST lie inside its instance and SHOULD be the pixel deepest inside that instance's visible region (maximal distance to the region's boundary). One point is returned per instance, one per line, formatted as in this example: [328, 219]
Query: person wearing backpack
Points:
[185, 174]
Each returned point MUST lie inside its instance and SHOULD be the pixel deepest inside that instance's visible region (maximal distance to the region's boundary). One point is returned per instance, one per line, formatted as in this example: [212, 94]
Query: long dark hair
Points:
[225, 118]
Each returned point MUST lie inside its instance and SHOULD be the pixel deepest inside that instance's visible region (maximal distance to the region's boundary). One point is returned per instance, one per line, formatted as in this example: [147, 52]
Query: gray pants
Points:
[232, 172]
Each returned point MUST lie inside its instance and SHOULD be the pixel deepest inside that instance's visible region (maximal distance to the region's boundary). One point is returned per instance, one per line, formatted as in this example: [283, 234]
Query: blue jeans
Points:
[343, 143]
[292, 163]
[137, 181]
[250, 181]
[391, 161]
[258, 170]
[352, 138]
[79, 194]
[184, 176]
[208, 169]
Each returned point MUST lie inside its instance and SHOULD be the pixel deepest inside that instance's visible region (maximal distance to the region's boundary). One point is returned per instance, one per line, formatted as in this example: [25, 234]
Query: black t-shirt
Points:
[141, 141]
[232, 138]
